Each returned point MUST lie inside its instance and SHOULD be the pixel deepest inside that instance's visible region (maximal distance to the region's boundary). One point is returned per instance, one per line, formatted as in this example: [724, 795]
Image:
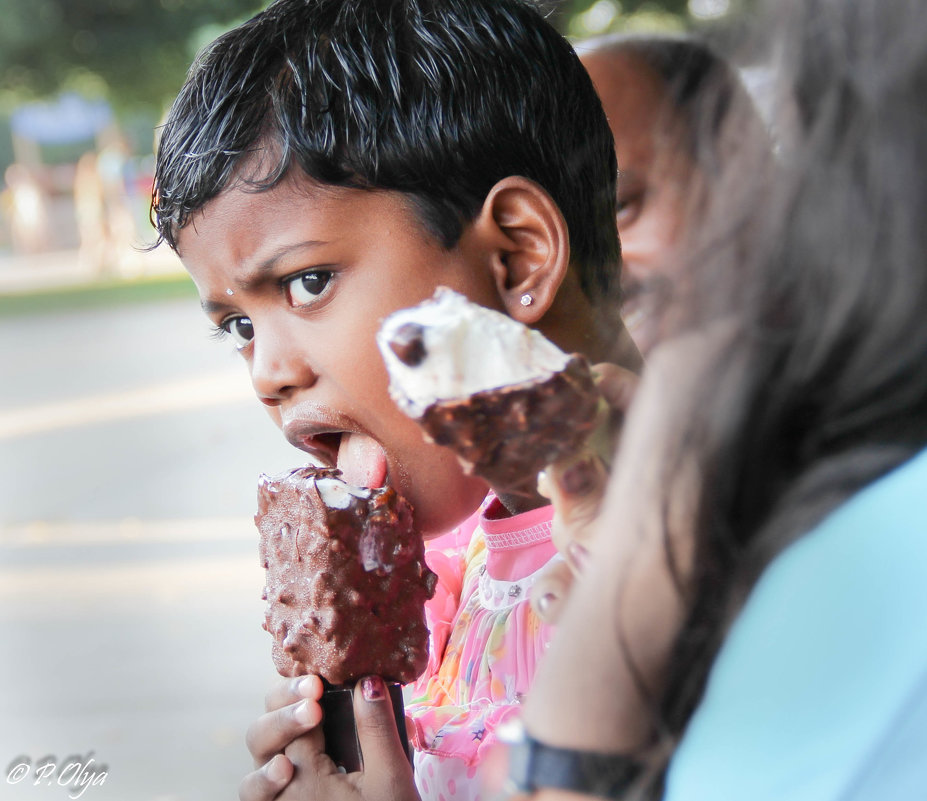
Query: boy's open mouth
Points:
[360, 457]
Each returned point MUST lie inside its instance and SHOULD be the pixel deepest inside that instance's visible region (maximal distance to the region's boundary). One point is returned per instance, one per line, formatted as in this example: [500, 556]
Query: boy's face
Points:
[300, 277]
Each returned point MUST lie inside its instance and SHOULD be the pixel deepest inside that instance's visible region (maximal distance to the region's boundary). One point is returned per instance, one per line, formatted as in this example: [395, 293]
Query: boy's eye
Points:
[306, 287]
[240, 329]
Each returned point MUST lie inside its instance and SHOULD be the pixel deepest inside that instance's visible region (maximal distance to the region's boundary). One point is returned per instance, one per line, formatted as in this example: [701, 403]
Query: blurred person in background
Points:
[28, 209]
[89, 209]
[666, 98]
[748, 623]
[109, 237]
[113, 160]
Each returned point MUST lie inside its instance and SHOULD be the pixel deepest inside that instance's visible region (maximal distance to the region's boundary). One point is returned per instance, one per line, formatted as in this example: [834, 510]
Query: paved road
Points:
[129, 586]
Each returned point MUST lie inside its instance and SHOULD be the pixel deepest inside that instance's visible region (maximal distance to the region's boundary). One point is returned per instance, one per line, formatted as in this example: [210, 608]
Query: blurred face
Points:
[656, 178]
[299, 279]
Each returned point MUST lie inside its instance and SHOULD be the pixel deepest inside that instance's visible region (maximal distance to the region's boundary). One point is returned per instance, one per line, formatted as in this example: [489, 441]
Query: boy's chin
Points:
[439, 510]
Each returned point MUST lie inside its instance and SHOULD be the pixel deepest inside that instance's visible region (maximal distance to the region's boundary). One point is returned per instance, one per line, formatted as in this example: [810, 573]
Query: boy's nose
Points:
[278, 369]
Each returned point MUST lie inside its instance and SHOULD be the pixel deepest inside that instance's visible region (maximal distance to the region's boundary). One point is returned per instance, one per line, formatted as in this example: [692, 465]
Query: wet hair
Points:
[435, 99]
[822, 274]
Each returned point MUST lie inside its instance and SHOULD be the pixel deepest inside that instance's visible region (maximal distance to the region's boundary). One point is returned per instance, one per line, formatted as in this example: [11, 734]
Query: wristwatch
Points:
[534, 765]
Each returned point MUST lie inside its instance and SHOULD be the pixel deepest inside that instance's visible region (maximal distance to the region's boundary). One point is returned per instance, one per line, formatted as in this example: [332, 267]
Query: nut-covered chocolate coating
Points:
[346, 587]
[507, 435]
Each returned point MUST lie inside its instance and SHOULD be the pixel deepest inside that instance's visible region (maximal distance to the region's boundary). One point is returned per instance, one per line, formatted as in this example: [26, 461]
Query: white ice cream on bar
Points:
[336, 494]
[459, 348]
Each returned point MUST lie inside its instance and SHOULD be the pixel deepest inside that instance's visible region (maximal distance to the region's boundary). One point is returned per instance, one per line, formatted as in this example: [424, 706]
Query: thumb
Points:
[385, 760]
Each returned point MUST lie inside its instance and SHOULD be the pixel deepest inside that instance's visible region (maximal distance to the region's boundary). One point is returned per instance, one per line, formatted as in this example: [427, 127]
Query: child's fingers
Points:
[267, 782]
[290, 691]
[387, 772]
[274, 731]
[575, 488]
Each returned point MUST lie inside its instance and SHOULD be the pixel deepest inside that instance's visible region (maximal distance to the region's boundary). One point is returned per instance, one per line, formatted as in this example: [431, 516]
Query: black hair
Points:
[436, 99]
[821, 272]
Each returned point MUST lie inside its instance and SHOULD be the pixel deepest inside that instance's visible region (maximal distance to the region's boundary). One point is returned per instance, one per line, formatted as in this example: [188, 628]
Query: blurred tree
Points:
[135, 52]
[568, 11]
[582, 18]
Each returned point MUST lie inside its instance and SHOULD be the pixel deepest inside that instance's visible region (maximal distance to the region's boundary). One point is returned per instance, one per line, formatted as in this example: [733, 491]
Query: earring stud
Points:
[527, 299]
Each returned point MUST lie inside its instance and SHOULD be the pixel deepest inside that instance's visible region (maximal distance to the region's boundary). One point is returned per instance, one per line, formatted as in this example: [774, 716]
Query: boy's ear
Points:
[530, 246]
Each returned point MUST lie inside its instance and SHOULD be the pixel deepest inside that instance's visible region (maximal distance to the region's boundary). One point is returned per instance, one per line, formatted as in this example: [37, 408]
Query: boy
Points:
[331, 161]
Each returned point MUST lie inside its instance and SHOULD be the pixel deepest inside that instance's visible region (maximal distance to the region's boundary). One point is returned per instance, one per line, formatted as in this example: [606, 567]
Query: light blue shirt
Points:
[819, 693]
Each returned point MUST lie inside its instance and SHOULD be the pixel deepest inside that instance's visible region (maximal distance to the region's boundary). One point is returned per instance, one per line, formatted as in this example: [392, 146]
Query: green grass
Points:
[102, 293]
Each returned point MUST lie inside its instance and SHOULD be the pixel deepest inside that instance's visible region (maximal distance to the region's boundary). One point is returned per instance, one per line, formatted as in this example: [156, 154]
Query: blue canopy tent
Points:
[69, 118]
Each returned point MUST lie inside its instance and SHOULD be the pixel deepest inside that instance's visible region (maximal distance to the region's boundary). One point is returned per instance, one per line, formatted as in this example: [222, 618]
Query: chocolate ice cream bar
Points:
[346, 578]
[504, 398]
[346, 588]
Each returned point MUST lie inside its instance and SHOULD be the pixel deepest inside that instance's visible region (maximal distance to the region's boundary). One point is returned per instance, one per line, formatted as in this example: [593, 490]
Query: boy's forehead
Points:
[234, 221]
[244, 220]
[247, 197]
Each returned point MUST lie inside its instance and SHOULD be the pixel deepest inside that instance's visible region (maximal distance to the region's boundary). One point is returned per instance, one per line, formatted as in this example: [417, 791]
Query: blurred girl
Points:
[748, 624]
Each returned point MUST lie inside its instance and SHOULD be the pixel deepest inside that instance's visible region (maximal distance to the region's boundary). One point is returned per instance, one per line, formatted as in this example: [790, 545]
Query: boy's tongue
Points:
[362, 461]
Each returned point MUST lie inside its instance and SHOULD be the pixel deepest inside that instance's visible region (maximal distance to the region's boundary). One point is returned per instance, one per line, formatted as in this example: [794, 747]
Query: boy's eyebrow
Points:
[256, 275]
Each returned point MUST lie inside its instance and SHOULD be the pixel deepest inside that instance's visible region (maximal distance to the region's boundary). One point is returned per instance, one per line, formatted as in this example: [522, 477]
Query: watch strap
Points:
[534, 765]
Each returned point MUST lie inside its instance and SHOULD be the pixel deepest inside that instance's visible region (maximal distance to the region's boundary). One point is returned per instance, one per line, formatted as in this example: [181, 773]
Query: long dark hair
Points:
[823, 275]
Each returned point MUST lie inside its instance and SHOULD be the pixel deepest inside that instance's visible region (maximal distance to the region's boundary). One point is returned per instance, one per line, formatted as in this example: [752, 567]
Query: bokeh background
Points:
[131, 653]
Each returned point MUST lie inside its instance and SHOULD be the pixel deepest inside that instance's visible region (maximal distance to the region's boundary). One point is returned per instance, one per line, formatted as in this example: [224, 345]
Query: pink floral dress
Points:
[486, 642]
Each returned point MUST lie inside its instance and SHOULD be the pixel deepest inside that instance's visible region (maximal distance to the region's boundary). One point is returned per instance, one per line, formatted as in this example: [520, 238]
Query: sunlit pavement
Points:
[143, 653]
[130, 588]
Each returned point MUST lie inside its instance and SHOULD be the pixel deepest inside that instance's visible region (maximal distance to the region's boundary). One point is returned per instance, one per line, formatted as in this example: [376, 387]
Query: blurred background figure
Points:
[49, 138]
[760, 560]
[27, 209]
[114, 164]
[71, 187]
[667, 98]
[110, 239]
[89, 210]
